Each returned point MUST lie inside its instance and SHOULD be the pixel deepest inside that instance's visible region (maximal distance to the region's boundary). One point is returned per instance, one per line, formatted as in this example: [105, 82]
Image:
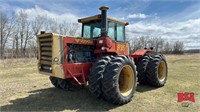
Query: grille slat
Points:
[45, 39]
[46, 48]
[45, 53]
[46, 44]
[45, 62]
[46, 58]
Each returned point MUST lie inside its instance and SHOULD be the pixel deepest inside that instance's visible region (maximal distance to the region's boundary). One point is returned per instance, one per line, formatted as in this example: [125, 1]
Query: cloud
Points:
[183, 25]
[186, 31]
[33, 12]
[137, 16]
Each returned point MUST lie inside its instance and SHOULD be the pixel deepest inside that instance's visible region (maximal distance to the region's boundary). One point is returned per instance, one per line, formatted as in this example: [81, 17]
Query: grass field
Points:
[23, 89]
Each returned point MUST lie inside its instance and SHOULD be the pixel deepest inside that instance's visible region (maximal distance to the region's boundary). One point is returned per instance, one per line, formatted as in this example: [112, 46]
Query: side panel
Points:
[122, 48]
[57, 50]
[117, 48]
[140, 52]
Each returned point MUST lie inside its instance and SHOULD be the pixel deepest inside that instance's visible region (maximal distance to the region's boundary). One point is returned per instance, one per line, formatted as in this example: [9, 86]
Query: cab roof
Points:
[98, 17]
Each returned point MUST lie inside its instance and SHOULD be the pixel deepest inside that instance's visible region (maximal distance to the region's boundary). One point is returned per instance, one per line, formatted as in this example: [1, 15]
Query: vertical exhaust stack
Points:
[104, 20]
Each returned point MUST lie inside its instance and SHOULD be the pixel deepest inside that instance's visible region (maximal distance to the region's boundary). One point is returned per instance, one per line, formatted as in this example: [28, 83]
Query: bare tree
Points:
[139, 42]
[3, 21]
[71, 29]
[167, 48]
[52, 25]
[28, 35]
[147, 42]
[24, 31]
[156, 43]
[6, 26]
[37, 24]
[63, 28]
[178, 47]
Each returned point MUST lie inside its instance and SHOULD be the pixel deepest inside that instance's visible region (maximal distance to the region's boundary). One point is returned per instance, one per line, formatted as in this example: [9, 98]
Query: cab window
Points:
[116, 31]
[120, 32]
[91, 30]
[111, 30]
[86, 31]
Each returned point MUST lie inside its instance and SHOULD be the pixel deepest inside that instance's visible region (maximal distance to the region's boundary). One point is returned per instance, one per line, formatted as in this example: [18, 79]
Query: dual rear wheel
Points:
[152, 70]
[156, 71]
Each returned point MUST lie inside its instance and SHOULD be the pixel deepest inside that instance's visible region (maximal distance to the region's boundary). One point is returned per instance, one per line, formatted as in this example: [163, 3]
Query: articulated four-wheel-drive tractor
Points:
[100, 59]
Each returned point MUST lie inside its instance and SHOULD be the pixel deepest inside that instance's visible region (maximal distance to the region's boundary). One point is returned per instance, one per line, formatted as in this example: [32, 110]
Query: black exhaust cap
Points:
[42, 32]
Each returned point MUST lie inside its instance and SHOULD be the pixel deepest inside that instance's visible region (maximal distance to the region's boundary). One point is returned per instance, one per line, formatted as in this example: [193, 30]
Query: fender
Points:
[140, 52]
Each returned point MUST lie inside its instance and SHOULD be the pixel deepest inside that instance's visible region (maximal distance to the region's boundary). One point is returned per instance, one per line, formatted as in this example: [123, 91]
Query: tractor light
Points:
[103, 48]
[56, 59]
[50, 68]
[100, 41]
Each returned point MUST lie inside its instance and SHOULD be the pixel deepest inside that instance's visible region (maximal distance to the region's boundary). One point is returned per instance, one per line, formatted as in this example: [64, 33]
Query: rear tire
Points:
[96, 75]
[141, 64]
[119, 80]
[157, 71]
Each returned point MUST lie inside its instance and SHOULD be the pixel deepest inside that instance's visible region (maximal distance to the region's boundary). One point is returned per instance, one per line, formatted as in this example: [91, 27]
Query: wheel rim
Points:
[126, 80]
[162, 70]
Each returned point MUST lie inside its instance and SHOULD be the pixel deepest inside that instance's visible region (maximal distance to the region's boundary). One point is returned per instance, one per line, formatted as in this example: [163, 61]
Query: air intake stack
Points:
[104, 20]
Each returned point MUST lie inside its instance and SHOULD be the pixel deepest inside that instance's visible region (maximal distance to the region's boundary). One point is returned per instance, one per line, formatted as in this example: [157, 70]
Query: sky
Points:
[170, 19]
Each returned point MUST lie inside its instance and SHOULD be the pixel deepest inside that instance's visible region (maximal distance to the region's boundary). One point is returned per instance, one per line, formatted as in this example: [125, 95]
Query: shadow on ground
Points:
[52, 99]
[144, 88]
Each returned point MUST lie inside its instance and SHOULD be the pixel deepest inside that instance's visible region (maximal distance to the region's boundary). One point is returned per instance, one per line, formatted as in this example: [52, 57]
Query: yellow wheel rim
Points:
[162, 70]
[126, 80]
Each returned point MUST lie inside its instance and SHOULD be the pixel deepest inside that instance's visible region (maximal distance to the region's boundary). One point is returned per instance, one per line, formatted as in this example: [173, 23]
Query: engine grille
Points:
[45, 54]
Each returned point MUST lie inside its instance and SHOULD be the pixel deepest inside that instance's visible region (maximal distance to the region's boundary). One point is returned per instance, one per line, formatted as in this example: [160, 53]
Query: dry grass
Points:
[10, 63]
[22, 88]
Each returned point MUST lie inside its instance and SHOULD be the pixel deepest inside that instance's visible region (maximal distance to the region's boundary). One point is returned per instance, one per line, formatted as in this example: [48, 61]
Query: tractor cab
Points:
[92, 26]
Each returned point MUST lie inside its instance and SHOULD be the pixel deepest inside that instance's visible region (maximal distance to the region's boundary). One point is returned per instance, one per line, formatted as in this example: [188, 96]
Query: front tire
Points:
[119, 80]
[65, 84]
[96, 75]
[55, 81]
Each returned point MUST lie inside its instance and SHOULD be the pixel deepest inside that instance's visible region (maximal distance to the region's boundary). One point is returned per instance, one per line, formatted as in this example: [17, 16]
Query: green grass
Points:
[184, 73]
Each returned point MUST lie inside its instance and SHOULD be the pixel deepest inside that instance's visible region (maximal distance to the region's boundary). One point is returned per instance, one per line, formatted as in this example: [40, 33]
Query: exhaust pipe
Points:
[104, 20]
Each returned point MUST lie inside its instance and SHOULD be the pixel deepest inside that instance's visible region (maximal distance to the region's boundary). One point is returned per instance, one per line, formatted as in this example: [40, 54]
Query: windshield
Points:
[92, 30]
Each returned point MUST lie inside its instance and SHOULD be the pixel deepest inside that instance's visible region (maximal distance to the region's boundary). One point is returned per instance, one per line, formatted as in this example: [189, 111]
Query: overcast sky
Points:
[170, 19]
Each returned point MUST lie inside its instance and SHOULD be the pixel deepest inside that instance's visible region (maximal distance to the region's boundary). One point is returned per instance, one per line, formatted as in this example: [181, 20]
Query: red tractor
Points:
[100, 59]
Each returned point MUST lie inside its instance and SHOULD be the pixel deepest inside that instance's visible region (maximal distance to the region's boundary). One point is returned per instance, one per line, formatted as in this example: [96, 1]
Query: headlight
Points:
[56, 59]
[100, 41]
[103, 48]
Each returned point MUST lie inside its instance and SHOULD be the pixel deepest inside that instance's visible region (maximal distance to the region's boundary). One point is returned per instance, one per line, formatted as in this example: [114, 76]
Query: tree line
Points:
[159, 44]
[18, 35]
